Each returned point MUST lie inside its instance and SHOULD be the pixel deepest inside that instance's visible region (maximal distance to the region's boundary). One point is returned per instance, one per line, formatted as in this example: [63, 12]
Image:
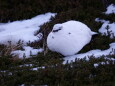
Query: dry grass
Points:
[7, 49]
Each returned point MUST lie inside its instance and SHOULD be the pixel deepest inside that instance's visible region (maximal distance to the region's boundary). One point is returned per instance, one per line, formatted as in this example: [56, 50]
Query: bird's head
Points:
[57, 28]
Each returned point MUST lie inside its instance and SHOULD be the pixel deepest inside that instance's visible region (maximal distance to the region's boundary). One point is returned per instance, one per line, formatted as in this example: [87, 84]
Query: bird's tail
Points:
[94, 33]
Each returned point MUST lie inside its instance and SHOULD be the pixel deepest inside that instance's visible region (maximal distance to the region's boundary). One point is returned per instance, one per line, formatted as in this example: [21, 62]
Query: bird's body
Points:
[69, 38]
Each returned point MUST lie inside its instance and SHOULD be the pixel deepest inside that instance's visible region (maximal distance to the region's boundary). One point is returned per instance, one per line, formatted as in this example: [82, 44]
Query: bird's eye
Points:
[55, 30]
[59, 29]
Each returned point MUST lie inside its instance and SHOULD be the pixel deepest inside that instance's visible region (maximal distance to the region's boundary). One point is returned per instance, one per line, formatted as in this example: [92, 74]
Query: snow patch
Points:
[97, 53]
[36, 68]
[23, 30]
[110, 9]
[30, 65]
[101, 20]
[96, 65]
[107, 29]
[28, 51]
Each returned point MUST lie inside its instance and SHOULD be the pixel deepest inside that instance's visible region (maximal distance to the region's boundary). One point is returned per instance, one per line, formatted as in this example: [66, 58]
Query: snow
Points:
[96, 65]
[110, 9]
[69, 38]
[24, 30]
[96, 53]
[106, 27]
[106, 24]
[36, 68]
[22, 85]
[101, 20]
[102, 63]
[111, 29]
[30, 65]
[27, 52]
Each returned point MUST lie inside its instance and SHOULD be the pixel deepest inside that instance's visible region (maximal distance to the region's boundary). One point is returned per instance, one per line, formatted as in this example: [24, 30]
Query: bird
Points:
[69, 38]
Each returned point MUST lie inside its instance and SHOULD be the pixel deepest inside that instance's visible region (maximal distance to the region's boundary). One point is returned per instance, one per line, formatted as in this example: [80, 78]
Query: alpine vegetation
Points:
[29, 27]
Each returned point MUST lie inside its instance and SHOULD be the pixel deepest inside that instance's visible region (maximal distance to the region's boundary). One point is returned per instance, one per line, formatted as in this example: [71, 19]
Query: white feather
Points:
[72, 37]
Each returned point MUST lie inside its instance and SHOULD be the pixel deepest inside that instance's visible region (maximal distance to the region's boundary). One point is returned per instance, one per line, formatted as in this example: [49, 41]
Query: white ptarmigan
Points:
[69, 38]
